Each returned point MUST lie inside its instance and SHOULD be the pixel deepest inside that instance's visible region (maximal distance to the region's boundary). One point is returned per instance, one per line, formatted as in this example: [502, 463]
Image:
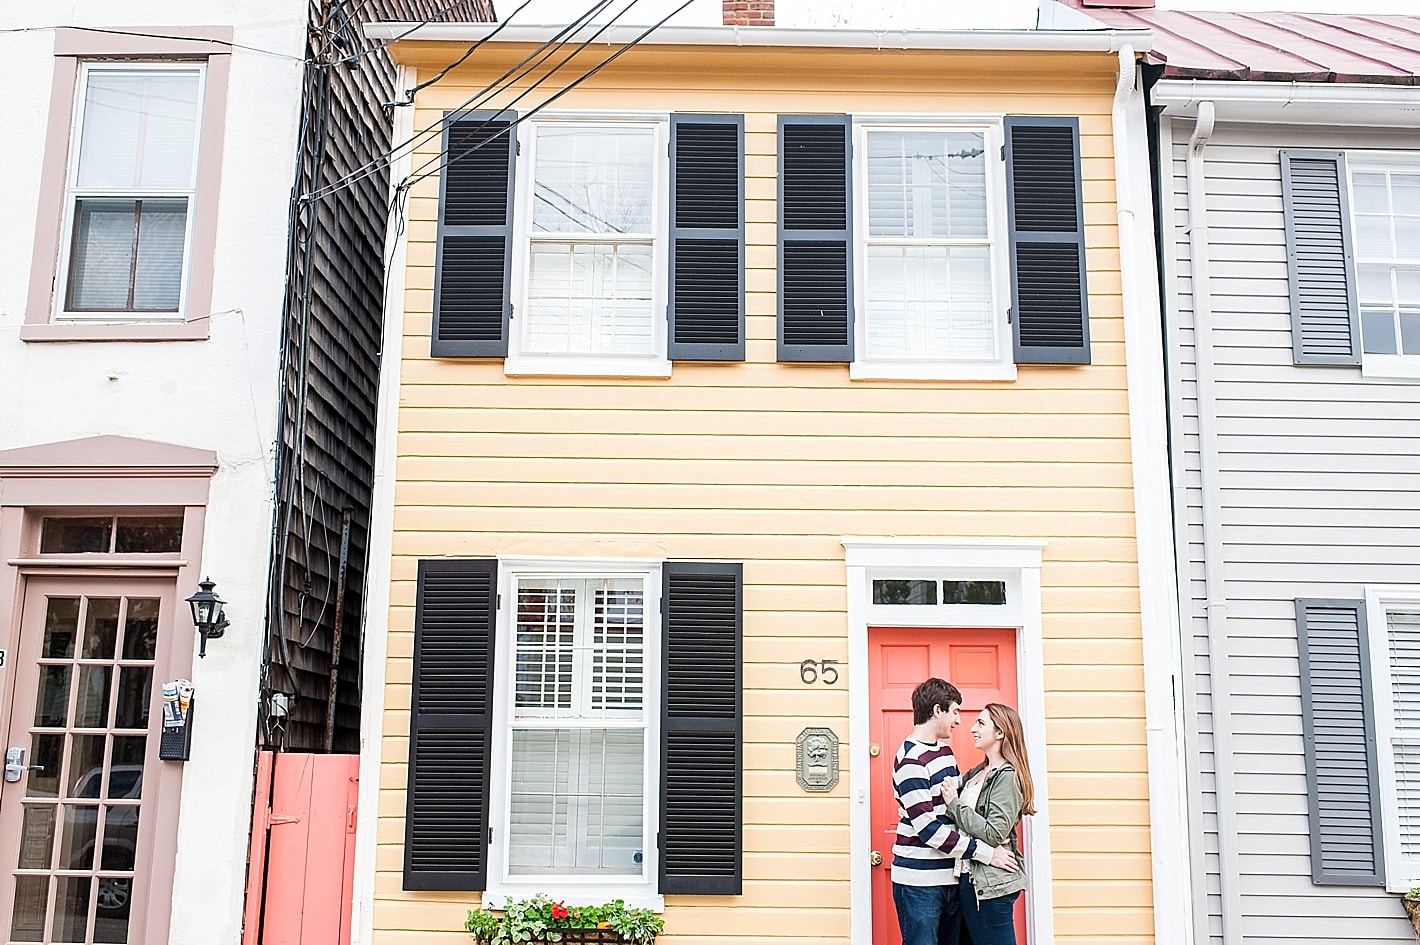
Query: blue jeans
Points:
[990, 921]
[928, 915]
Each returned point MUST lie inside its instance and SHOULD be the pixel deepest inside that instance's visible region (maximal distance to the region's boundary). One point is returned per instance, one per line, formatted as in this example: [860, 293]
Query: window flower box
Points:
[539, 919]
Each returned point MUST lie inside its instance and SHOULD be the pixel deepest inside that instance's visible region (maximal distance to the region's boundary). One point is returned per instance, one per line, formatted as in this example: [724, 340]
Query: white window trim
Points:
[1017, 563]
[1379, 366]
[999, 368]
[1400, 876]
[574, 890]
[72, 192]
[655, 364]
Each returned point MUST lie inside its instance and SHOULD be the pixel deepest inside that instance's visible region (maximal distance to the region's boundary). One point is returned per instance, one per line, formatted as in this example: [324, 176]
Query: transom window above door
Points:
[110, 534]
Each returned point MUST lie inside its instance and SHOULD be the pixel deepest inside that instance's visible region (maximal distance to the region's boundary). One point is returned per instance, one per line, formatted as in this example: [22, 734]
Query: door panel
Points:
[982, 664]
[79, 820]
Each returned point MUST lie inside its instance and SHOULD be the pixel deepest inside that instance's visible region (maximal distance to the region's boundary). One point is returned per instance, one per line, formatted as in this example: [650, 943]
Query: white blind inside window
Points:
[1403, 631]
[578, 739]
[928, 261]
[139, 130]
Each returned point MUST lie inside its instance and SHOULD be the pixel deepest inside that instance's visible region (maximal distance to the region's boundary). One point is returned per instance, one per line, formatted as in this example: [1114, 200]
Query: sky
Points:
[899, 14]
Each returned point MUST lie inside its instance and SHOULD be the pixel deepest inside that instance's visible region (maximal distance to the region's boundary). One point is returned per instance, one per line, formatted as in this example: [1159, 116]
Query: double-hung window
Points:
[130, 190]
[1385, 207]
[930, 225]
[592, 248]
[578, 737]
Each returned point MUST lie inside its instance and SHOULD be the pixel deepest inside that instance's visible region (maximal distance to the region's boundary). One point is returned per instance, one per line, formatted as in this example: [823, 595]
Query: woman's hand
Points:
[949, 790]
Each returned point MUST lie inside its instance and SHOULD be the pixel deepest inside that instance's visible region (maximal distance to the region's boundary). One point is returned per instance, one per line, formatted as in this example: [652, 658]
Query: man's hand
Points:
[1003, 859]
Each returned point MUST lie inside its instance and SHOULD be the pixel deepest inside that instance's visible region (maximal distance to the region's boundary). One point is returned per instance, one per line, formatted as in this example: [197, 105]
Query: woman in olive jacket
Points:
[993, 797]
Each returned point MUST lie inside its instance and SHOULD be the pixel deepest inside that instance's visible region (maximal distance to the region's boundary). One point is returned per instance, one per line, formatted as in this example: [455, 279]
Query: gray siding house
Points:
[1288, 187]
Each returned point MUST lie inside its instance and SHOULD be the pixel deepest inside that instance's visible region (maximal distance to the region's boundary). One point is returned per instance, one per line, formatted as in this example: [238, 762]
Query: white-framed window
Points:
[932, 280]
[1385, 212]
[576, 731]
[1393, 622]
[590, 247]
[131, 183]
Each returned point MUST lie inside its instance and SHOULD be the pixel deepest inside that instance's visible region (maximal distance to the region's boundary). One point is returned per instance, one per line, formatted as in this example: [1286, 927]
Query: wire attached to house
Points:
[409, 96]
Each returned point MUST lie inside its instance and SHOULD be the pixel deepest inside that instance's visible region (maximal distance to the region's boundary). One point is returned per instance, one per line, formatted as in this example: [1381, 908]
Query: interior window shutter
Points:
[1326, 326]
[1049, 295]
[701, 733]
[707, 313]
[450, 725]
[1338, 726]
[815, 238]
[474, 256]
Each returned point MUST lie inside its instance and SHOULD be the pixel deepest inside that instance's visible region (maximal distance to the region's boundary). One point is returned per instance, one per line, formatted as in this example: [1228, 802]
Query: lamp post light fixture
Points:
[207, 614]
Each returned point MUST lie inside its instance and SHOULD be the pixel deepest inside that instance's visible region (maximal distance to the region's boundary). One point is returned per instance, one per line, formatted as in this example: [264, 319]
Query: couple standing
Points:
[956, 862]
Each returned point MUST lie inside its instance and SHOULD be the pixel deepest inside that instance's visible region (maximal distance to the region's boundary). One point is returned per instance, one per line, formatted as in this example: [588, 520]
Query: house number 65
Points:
[812, 671]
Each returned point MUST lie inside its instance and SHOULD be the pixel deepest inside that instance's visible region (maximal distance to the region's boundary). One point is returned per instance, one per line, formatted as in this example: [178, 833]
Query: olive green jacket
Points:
[994, 820]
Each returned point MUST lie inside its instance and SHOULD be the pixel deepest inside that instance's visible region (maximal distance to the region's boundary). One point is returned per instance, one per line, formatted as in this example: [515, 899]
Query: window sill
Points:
[932, 371]
[195, 330]
[1391, 367]
[586, 366]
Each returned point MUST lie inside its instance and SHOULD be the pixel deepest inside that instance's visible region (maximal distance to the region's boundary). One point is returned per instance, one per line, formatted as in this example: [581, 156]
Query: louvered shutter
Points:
[471, 266]
[707, 315]
[815, 233]
[701, 733]
[1326, 326]
[1049, 295]
[450, 726]
[1339, 732]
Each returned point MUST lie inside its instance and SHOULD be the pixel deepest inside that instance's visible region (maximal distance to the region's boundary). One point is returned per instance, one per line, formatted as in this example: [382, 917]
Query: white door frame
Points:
[1015, 562]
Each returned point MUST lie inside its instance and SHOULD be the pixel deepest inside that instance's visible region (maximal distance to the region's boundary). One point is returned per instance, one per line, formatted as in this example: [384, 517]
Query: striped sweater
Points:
[928, 843]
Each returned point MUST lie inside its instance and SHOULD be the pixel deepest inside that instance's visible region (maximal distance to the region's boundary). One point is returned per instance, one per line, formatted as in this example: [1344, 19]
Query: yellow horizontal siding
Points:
[770, 464]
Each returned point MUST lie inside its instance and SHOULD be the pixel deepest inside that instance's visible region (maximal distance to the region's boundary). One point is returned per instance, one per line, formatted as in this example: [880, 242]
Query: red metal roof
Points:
[1277, 47]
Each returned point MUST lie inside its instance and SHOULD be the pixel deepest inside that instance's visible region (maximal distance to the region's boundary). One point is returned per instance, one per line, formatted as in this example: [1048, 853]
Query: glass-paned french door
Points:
[76, 816]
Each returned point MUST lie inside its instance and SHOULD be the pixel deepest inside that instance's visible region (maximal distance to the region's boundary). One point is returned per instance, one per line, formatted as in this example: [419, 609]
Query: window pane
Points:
[139, 130]
[928, 184]
[1373, 236]
[618, 677]
[61, 628]
[74, 535]
[577, 801]
[155, 534]
[1407, 285]
[589, 298]
[973, 592]
[1410, 332]
[1368, 190]
[102, 267]
[162, 238]
[904, 592]
[1405, 193]
[1375, 285]
[929, 302]
[591, 179]
[543, 672]
[1378, 332]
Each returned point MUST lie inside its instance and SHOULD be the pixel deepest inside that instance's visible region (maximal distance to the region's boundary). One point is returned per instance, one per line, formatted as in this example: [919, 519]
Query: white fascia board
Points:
[1102, 40]
[1293, 103]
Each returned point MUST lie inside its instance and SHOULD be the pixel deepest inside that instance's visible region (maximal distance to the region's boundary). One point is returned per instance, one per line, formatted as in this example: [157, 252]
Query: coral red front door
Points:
[79, 820]
[982, 664]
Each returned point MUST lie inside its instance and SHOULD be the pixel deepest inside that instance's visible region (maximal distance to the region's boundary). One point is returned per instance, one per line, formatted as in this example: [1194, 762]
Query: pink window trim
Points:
[111, 473]
[71, 44]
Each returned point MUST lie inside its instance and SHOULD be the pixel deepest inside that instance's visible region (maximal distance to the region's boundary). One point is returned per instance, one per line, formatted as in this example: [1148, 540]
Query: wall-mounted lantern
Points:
[207, 614]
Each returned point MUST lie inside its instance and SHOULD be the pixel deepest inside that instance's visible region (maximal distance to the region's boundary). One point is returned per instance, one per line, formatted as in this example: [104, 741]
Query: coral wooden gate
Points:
[302, 850]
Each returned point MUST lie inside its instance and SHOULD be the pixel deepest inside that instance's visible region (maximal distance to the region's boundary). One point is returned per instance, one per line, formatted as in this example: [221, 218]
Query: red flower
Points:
[559, 911]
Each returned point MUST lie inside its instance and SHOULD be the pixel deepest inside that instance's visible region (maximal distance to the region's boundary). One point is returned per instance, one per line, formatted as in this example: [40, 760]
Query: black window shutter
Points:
[701, 734]
[707, 304]
[450, 726]
[471, 304]
[1326, 327]
[1049, 297]
[1338, 728]
[815, 238]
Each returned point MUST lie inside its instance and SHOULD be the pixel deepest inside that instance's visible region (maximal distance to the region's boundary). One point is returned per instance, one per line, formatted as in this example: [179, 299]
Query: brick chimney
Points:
[750, 12]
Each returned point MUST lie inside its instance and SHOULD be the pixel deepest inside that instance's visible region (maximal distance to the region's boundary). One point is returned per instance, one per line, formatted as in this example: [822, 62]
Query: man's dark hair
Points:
[931, 693]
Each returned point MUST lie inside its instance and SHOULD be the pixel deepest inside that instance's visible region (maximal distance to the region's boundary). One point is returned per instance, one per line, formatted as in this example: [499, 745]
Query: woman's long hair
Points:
[1013, 749]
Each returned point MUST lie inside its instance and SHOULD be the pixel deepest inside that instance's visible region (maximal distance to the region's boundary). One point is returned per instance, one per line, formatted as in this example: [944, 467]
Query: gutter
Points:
[1024, 40]
[1297, 103]
[1211, 504]
[1153, 512]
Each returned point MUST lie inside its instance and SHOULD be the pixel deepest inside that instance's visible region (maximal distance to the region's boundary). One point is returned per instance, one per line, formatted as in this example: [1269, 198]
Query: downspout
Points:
[1153, 515]
[1215, 594]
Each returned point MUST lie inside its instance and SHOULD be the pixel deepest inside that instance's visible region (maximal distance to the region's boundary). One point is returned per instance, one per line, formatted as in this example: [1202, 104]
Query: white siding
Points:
[1320, 494]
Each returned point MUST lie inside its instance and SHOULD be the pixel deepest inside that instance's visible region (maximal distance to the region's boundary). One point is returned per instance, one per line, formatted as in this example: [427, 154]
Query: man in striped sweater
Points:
[924, 858]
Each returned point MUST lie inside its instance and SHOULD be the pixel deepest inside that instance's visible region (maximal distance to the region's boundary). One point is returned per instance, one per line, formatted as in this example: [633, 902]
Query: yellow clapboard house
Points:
[743, 382]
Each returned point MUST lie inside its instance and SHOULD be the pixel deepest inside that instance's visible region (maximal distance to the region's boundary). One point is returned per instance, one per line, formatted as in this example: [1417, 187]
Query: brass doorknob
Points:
[874, 751]
[875, 858]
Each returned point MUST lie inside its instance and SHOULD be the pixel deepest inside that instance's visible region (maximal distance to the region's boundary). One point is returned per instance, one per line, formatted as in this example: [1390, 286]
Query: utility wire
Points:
[409, 96]
[203, 39]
